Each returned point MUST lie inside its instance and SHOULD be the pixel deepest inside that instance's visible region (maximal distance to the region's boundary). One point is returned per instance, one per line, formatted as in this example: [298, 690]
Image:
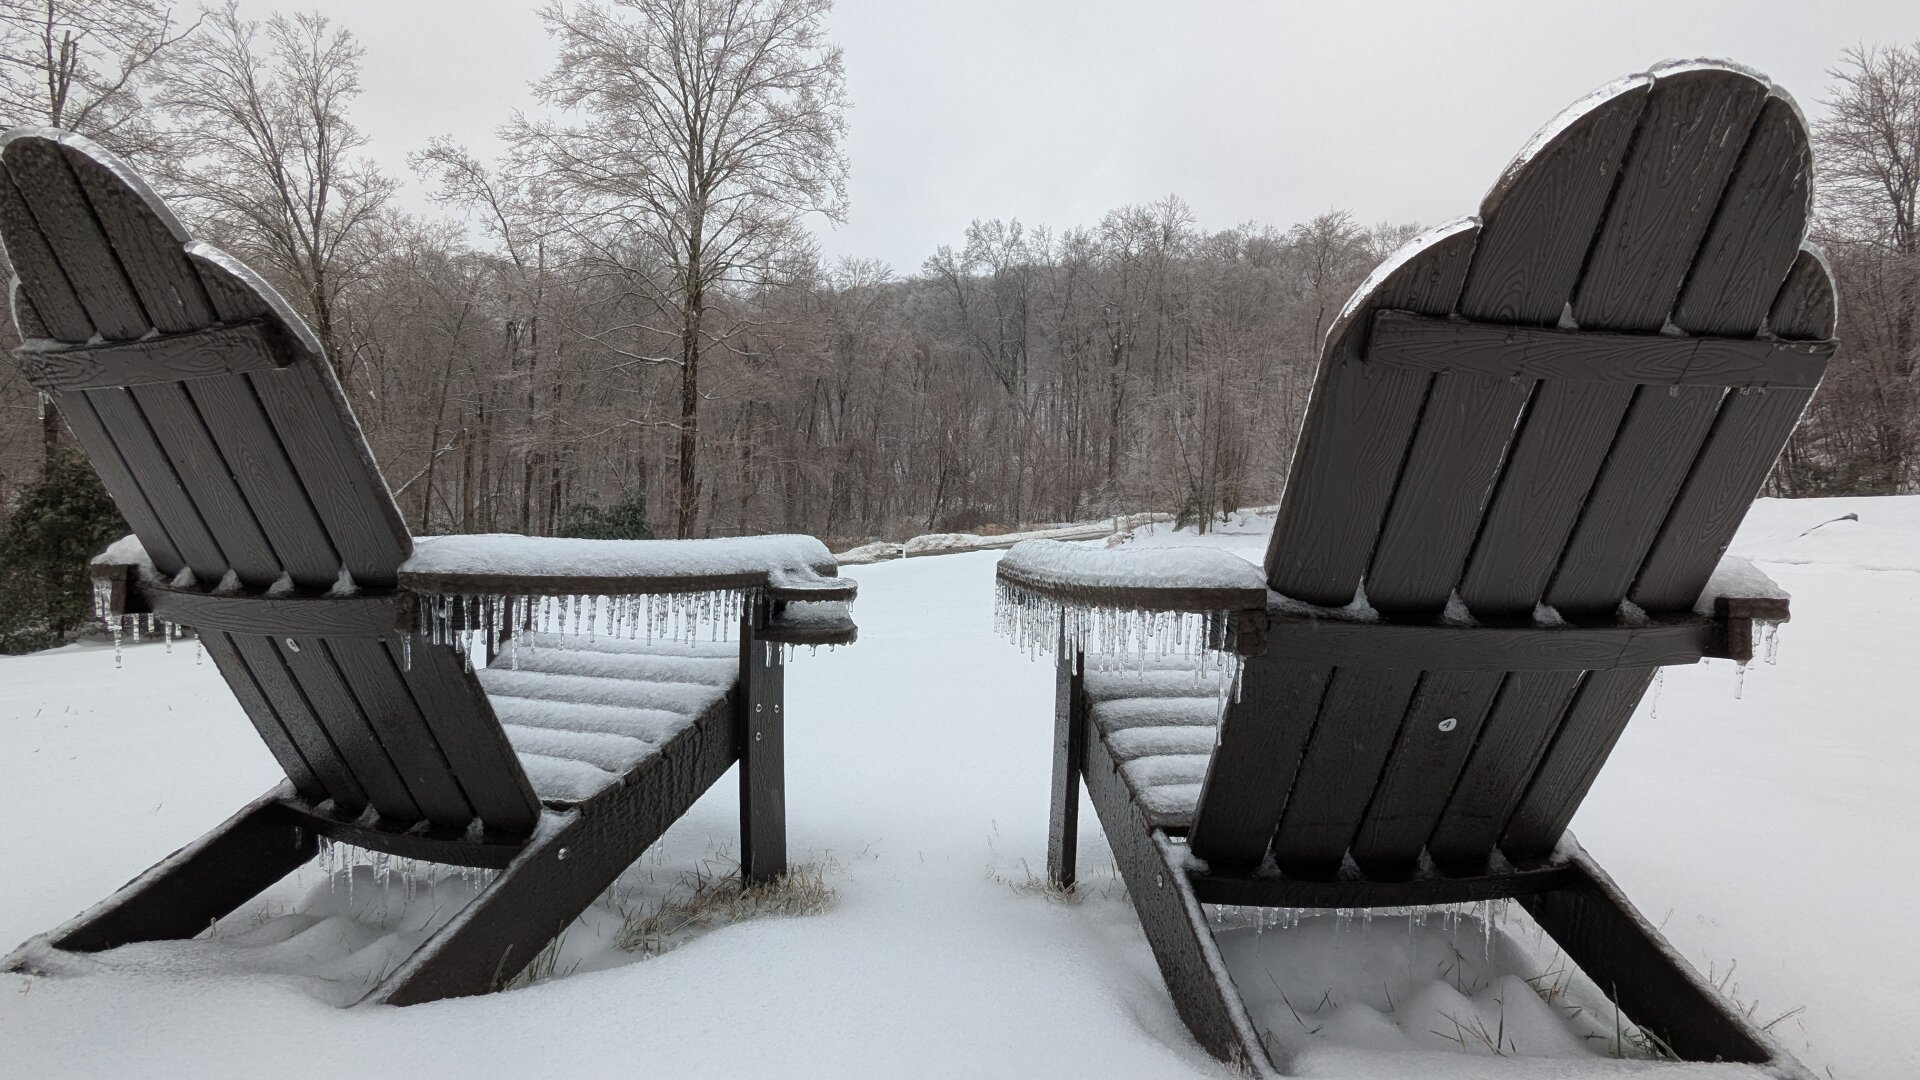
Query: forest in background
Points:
[522, 363]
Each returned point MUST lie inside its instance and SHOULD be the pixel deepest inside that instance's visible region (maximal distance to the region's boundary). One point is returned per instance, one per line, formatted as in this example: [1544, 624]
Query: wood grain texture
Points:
[126, 426]
[1070, 723]
[1354, 437]
[464, 724]
[1757, 230]
[1539, 218]
[1503, 351]
[296, 714]
[146, 242]
[373, 676]
[43, 280]
[1263, 734]
[557, 875]
[1593, 723]
[104, 455]
[1448, 478]
[221, 350]
[1428, 754]
[184, 437]
[1689, 139]
[266, 480]
[1358, 720]
[1511, 743]
[333, 703]
[73, 234]
[369, 615]
[272, 730]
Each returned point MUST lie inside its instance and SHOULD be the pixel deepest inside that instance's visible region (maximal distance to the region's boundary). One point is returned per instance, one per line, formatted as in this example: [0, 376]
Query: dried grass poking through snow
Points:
[718, 899]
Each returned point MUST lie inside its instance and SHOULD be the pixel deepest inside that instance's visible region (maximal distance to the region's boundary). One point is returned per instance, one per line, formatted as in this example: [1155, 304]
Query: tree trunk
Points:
[690, 313]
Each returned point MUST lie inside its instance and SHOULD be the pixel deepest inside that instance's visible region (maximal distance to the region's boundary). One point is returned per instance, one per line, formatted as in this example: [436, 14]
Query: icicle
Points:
[1739, 679]
[116, 642]
[1653, 701]
[406, 652]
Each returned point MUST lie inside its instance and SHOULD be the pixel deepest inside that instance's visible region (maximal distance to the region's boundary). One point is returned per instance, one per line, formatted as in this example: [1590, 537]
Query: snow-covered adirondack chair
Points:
[1531, 438]
[263, 523]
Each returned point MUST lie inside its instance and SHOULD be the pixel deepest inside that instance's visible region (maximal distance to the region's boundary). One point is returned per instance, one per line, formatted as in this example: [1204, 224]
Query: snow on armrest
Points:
[809, 585]
[1740, 590]
[501, 564]
[811, 622]
[1191, 579]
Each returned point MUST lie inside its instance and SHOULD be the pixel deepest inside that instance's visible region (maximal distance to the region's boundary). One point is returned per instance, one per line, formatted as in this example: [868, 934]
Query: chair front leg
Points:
[1069, 758]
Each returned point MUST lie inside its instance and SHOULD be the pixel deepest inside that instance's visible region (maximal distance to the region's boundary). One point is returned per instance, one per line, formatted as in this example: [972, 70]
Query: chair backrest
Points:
[1570, 401]
[217, 425]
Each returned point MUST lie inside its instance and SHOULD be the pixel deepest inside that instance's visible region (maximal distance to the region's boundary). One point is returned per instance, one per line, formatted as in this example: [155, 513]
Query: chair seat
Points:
[1160, 721]
[583, 713]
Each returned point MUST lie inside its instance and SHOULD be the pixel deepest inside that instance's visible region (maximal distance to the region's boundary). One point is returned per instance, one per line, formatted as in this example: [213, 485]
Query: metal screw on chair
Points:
[561, 854]
[757, 735]
[292, 645]
[1449, 724]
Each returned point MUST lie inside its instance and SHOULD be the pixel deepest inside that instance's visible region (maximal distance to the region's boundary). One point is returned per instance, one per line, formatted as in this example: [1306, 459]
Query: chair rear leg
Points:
[185, 892]
[1069, 758]
[762, 733]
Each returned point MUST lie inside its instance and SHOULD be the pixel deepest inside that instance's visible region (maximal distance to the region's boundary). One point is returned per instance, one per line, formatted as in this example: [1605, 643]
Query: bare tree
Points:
[266, 154]
[77, 65]
[1868, 155]
[697, 134]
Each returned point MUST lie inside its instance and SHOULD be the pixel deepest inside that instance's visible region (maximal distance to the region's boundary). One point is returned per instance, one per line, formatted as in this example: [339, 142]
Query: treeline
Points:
[527, 363]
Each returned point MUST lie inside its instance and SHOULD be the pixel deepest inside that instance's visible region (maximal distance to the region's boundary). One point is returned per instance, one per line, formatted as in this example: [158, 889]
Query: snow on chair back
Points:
[218, 427]
[1566, 403]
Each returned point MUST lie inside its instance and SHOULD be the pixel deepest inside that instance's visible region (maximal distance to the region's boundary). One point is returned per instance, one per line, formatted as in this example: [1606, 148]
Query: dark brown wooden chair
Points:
[262, 521]
[1531, 438]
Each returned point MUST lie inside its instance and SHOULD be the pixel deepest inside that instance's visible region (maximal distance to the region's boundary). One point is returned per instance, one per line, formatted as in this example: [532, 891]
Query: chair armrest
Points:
[115, 571]
[1191, 580]
[810, 622]
[500, 564]
[1738, 597]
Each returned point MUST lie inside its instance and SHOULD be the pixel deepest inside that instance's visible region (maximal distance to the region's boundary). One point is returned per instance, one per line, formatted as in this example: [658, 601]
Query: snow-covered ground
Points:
[1773, 834]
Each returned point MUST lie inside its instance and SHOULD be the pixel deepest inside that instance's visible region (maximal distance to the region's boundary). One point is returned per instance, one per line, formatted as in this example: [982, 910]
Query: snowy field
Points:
[1773, 835]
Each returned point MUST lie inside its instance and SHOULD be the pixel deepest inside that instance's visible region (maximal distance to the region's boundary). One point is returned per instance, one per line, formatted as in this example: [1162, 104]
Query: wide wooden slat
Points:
[1586, 736]
[1757, 231]
[338, 712]
[1262, 736]
[50, 294]
[1437, 344]
[469, 734]
[295, 712]
[1355, 436]
[172, 504]
[317, 432]
[374, 677]
[219, 350]
[105, 457]
[1267, 889]
[146, 243]
[1511, 743]
[73, 234]
[306, 779]
[1432, 746]
[183, 434]
[266, 479]
[1358, 719]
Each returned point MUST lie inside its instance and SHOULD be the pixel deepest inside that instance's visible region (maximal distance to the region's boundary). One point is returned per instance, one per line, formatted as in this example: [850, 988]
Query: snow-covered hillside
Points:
[1775, 830]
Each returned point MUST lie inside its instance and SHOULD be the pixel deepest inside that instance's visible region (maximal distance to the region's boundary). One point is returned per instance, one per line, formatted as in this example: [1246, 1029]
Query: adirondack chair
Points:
[1531, 438]
[262, 521]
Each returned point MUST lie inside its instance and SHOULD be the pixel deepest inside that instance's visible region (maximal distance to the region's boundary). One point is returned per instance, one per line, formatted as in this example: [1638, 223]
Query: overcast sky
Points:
[1054, 111]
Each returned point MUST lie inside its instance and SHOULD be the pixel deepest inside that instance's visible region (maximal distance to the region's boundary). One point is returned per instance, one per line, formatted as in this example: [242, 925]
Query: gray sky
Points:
[1054, 111]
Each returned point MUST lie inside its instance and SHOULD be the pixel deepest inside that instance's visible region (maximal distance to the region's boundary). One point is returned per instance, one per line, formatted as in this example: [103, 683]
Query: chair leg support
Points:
[1628, 958]
[1174, 922]
[185, 892]
[1069, 758]
[571, 859]
[761, 724]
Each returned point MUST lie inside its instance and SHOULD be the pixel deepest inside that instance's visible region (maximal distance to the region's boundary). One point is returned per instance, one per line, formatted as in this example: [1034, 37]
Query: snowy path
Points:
[1777, 830]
